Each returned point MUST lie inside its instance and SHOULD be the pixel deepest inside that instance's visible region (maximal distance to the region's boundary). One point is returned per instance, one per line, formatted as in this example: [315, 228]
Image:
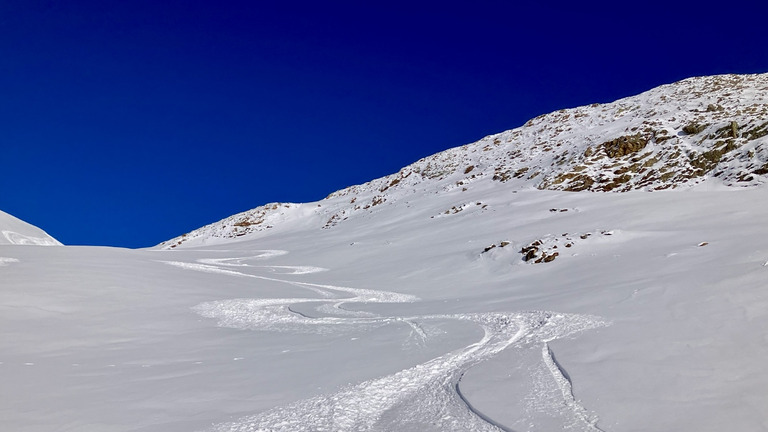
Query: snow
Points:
[405, 327]
[17, 232]
[563, 150]
[389, 318]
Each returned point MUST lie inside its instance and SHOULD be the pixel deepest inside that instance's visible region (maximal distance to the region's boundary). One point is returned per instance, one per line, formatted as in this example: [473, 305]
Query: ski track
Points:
[424, 397]
[581, 417]
[238, 262]
[4, 261]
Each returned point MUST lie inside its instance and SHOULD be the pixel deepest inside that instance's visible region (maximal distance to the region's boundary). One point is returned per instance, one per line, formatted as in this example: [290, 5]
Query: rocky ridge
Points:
[673, 136]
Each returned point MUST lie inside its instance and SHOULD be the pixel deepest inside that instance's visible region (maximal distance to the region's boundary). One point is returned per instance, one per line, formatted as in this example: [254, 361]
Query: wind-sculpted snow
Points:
[424, 397]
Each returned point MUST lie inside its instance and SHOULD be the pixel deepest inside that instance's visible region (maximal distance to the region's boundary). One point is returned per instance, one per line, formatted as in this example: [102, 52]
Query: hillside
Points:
[674, 136]
[463, 293]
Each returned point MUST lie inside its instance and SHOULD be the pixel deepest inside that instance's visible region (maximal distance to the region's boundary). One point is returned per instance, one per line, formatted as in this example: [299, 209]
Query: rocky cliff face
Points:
[673, 136]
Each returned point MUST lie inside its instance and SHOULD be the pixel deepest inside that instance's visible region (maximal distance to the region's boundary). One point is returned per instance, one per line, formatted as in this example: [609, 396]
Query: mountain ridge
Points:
[673, 136]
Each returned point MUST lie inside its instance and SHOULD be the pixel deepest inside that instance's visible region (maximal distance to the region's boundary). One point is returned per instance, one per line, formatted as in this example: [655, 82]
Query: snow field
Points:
[391, 312]
[111, 339]
[425, 397]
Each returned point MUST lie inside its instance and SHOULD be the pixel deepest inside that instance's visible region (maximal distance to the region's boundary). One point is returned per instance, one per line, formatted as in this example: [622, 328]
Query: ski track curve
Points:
[425, 397]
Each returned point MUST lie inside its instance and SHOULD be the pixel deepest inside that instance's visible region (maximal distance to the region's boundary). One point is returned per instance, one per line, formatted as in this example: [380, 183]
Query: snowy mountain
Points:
[14, 231]
[486, 288]
[674, 136]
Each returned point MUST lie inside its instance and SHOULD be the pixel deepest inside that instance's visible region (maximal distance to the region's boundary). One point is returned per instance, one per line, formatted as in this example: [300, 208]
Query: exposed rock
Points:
[549, 258]
[624, 145]
[529, 252]
[694, 128]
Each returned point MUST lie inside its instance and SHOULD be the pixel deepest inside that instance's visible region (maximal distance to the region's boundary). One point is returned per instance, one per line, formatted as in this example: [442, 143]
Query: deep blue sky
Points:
[128, 123]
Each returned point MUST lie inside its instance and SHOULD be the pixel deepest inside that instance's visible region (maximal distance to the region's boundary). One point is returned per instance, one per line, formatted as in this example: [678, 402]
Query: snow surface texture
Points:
[232, 337]
[385, 307]
[424, 397]
[17, 232]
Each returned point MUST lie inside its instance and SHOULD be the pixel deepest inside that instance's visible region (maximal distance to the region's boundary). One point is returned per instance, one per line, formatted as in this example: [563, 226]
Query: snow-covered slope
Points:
[674, 136]
[653, 319]
[14, 231]
[429, 300]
